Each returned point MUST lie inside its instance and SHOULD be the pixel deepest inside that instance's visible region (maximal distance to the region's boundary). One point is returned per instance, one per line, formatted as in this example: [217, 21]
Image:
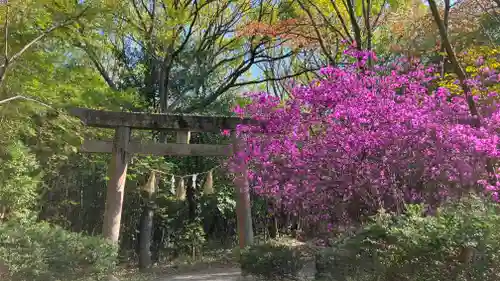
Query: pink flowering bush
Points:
[358, 140]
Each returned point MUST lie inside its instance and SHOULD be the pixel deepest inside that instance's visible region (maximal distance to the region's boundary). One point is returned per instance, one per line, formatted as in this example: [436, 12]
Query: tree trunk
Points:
[146, 229]
[273, 227]
[146, 224]
[272, 221]
[447, 7]
[355, 26]
[191, 200]
[158, 242]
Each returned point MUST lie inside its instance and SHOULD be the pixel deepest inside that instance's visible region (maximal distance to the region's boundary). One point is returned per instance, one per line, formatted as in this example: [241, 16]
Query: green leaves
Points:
[358, 7]
[287, 10]
[417, 247]
[19, 179]
[272, 261]
[40, 251]
[394, 4]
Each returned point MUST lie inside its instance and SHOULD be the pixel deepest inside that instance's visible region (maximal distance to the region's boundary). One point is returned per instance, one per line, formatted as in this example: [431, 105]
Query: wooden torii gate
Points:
[122, 147]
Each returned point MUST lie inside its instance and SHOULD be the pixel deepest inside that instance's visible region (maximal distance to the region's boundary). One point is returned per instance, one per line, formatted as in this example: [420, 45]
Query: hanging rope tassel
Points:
[172, 185]
[150, 186]
[208, 187]
[195, 176]
[181, 190]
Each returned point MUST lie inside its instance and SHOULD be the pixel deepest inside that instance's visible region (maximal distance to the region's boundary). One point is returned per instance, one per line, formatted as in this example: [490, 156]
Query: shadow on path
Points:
[227, 275]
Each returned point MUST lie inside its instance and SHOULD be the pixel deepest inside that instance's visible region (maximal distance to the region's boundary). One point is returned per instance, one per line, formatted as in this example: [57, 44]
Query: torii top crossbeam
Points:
[149, 121]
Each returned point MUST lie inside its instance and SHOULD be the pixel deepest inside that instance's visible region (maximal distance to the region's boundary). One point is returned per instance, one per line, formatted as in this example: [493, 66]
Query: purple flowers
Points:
[373, 139]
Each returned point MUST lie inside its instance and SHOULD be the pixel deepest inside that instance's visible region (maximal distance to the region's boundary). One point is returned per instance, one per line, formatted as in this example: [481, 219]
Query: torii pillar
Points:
[122, 148]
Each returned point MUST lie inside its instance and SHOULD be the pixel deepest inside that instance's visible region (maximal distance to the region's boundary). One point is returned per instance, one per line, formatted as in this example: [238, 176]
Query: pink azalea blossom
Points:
[359, 140]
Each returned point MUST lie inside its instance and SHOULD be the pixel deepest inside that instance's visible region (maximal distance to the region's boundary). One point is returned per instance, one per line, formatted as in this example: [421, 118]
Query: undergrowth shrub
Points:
[272, 261]
[461, 241]
[40, 251]
[190, 239]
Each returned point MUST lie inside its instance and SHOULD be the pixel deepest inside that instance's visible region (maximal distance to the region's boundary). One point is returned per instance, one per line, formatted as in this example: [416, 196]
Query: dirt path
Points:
[224, 274]
[216, 274]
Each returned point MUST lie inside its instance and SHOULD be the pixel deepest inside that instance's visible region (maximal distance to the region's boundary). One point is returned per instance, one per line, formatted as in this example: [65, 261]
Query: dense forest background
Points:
[176, 56]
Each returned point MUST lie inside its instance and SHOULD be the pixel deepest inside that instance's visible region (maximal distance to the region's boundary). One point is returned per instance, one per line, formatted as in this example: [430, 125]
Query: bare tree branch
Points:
[342, 21]
[318, 33]
[270, 79]
[328, 22]
[366, 15]
[377, 18]
[19, 97]
[354, 23]
[93, 57]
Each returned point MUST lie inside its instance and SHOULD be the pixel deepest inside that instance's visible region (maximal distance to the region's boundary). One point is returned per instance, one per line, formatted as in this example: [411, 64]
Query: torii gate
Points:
[122, 147]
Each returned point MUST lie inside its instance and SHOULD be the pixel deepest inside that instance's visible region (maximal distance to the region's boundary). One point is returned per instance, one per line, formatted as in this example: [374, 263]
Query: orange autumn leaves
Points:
[410, 27]
[294, 33]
